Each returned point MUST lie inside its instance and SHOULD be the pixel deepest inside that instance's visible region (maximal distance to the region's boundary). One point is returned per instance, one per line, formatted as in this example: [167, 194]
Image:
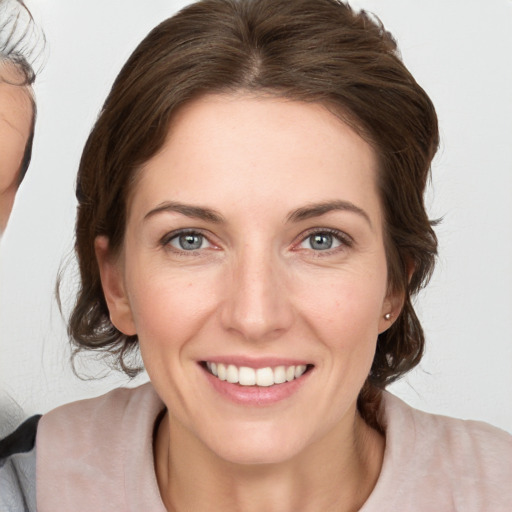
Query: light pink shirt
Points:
[97, 455]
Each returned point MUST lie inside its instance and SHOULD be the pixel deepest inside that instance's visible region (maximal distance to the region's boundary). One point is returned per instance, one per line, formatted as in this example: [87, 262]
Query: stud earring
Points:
[387, 316]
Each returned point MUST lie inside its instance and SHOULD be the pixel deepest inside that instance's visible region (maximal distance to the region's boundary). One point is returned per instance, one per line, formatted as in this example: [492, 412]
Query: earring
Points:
[387, 316]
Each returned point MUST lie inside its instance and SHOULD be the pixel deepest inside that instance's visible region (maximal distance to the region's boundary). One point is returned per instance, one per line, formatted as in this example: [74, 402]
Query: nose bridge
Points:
[257, 304]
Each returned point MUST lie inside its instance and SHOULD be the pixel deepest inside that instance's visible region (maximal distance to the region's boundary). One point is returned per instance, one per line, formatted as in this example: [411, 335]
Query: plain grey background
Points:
[458, 50]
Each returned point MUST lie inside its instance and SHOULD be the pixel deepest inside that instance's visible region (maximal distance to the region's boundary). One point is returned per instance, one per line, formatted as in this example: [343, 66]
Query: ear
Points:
[393, 303]
[112, 281]
[391, 308]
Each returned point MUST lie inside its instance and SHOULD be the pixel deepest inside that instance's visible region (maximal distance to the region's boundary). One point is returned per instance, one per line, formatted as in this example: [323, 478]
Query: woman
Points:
[17, 105]
[251, 216]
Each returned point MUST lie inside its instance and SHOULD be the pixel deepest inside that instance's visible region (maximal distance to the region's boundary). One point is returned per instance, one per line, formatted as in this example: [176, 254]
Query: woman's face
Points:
[254, 250]
[15, 123]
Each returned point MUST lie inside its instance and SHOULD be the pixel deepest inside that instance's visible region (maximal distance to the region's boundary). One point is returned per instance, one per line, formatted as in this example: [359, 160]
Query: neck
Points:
[338, 473]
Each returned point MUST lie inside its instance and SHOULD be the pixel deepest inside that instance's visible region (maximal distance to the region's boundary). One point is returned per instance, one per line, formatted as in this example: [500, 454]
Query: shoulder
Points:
[18, 468]
[79, 441]
[85, 422]
[452, 442]
[82, 413]
[467, 464]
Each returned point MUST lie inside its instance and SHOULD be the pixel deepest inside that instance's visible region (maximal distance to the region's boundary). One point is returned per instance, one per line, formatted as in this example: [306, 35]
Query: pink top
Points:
[97, 455]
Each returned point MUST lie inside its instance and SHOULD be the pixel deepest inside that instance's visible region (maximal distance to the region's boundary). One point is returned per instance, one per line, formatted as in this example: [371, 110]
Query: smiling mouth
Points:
[260, 377]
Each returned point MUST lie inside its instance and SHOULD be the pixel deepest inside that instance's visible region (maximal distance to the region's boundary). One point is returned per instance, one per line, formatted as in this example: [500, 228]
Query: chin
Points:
[256, 456]
[250, 447]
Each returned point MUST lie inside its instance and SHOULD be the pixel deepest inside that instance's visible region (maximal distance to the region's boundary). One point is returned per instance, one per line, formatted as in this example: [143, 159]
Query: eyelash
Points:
[166, 240]
[345, 240]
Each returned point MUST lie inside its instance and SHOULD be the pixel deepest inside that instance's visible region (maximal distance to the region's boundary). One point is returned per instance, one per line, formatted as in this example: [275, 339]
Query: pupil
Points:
[321, 242]
[190, 242]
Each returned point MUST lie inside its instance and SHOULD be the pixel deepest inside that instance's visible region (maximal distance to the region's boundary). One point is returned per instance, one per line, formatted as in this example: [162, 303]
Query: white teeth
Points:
[299, 370]
[221, 371]
[263, 377]
[232, 374]
[279, 374]
[246, 376]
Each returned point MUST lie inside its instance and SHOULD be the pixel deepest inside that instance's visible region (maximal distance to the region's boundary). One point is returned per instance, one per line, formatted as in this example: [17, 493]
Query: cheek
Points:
[346, 301]
[169, 308]
[344, 312]
[11, 156]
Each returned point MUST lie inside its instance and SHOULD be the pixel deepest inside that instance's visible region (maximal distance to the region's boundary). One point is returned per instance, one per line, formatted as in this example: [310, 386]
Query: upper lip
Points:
[256, 362]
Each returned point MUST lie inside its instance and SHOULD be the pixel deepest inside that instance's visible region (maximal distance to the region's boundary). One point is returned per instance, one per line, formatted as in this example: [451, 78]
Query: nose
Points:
[257, 304]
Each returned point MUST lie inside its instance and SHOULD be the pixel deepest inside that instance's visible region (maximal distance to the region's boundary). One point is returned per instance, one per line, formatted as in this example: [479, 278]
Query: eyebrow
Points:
[300, 214]
[196, 212]
[318, 209]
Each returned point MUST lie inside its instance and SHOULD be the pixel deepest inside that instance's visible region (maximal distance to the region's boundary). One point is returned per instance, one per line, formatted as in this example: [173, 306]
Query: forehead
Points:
[247, 150]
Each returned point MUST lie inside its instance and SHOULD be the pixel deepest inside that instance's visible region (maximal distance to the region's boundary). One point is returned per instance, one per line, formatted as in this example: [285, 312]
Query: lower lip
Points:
[256, 395]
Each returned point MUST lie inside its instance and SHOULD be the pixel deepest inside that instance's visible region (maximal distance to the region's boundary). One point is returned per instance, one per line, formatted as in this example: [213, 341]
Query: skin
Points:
[257, 287]
[15, 123]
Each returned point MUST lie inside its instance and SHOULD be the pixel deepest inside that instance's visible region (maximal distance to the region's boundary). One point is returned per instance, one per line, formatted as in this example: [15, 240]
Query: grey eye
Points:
[320, 242]
[189, 242]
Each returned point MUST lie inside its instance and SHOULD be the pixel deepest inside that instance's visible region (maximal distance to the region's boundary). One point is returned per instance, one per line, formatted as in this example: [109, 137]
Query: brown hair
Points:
[307, 50]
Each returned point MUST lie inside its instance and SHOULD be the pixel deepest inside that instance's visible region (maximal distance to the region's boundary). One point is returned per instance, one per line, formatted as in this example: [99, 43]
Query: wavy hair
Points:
[308, 50]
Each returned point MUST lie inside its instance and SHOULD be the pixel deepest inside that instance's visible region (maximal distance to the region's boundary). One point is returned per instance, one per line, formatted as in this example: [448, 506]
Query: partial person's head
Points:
[296, 76]
[17, 105]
